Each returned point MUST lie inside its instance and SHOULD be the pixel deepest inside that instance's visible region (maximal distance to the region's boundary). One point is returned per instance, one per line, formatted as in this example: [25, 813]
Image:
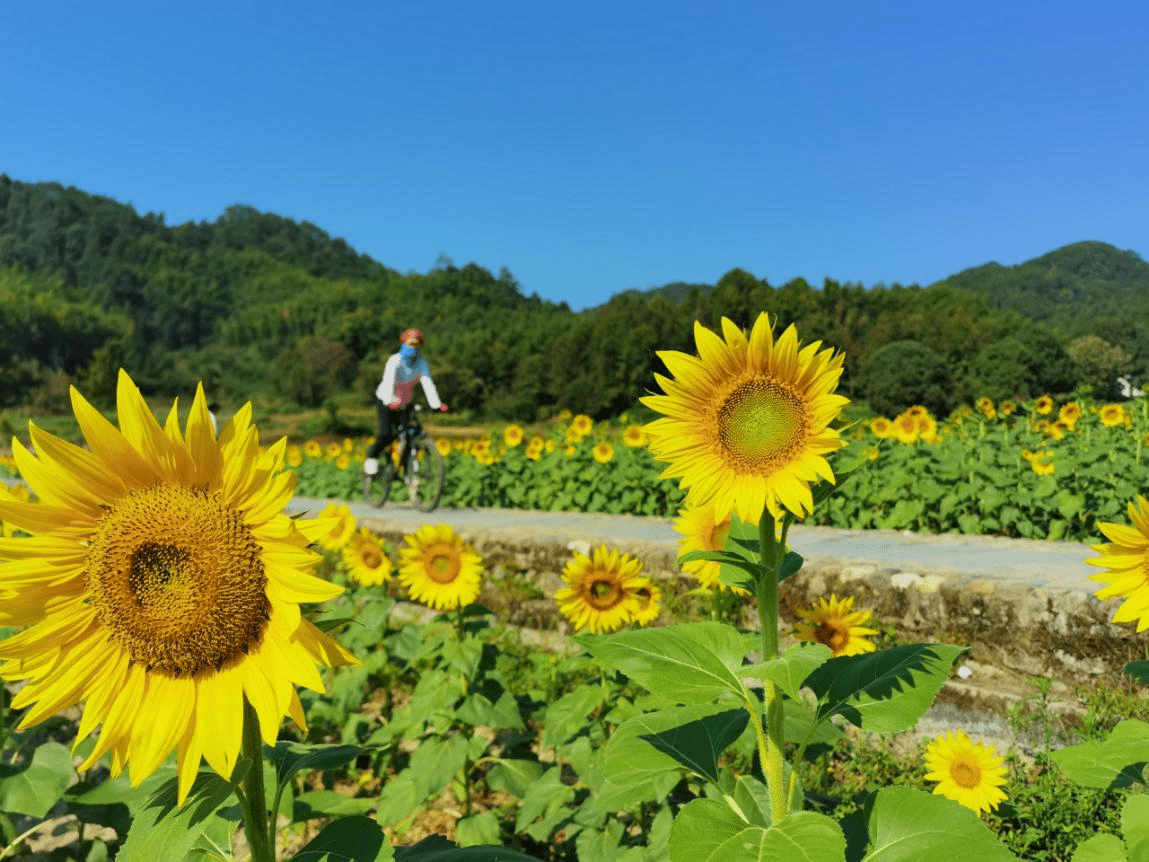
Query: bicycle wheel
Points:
[377, 488]
[424, 479]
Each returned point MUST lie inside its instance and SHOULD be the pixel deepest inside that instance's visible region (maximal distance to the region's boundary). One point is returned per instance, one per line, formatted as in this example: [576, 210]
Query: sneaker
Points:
[371, 466]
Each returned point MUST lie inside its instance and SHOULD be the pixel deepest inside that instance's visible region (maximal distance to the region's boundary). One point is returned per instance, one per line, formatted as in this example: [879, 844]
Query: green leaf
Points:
[478, 711]
[791, 563]
[1117, 761]
[291, 757]
[436, 848]
[352, 839]
[707, 830]
[1100, 848]
[688, 662]
[163, 831]
[481, 828]
[435, 762]
[569, 714]
[398, 800]
[1139, 670]
[909, 825]
[33, 788]
[514, 776]
[545, 799]
[1069, 504]
[791, 669]
[328, 803]
[886, 691]
[1135, 826]
[697, 744]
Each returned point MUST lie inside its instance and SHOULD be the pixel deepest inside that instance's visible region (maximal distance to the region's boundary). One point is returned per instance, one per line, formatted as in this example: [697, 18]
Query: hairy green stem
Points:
[258, 826]
[770, 745]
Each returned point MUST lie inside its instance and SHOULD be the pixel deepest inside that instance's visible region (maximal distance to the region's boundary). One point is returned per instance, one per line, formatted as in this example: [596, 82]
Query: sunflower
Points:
[334, 450]
[343, 461]
[582, 425]
[928, 429]
[601, 589]
[564, 415]
[1042, 463]
[918, 411]
[572, 435]
[906, 427]
[1044, 405]
[312, 449]
[881, 427]
[294, 456]
[986, 408]
[837, 625]
[603, 452]
[534, 449]
[513, 435]
[1127, 558]
[746, 423]
[342, 526]
[160, 587]
[700, 532]
[1112, 415]
[970, 773]
[646, 602]
[570, 449]
[1069, 413]
[549, 446]
[1007, 407]
[444, 446]
[438, 568]
[634, 436]
[366, 561]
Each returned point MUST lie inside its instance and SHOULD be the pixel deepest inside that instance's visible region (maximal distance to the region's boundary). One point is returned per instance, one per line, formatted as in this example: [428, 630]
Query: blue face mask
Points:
[408, 352]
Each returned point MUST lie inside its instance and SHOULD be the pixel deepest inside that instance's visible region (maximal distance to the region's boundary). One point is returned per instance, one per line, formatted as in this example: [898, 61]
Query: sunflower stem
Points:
[770, 744]
[258, 826]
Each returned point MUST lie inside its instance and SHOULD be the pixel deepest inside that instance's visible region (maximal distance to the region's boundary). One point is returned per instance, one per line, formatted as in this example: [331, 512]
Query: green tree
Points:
[903, 373]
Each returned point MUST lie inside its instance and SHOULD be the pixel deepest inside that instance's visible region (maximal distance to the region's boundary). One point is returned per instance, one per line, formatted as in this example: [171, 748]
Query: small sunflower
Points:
[906, 428]
[881, 427]
[294, 456]
[342, 526]
[1127, 558]
[1069, 413]
[603, 452]
[333, 451]
[837, 625]
[646, 602]
[534, 449]
[1042, 463]
[634, 436]
[986, 408]
[513, 435]
[439, 569]
[1112, 415]
[1044, 405]
[1007, 407]
[343, 461]
[700, 532]
[570, 449]
[582, 425]
[366, 561]
[312, 449]
[444, 446]
[969, 773]
[160, 587]
[600, 589]
[746, 423]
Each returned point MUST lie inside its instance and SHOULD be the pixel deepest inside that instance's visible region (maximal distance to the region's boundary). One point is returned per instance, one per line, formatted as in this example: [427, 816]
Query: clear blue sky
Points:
[600, 146]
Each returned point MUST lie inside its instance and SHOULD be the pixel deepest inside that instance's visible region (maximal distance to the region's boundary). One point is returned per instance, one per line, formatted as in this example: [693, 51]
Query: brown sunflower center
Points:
[178, 580]
[442, 564]
[833, 636]
[718, 535]
[371, 557]
[603, 591]
[761, 425]
[965, 773]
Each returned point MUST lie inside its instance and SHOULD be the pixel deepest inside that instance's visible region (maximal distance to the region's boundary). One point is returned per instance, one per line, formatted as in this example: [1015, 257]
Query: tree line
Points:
[255, 304]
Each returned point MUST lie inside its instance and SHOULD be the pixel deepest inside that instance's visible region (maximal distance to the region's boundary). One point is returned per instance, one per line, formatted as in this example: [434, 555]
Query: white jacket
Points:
[399, 379]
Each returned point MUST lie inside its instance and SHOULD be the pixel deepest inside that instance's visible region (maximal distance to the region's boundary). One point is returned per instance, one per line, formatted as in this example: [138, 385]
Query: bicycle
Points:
[419, 467]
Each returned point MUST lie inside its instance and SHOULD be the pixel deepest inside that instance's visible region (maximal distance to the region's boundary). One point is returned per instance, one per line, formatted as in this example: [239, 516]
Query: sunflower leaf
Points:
[436, 848]
[789, 670]
[1139, 670]
[291, 757]
[33, 788]
[1117, 761]
[688, 662]
[708, 830]
[163, 830]
[353, 839]
[697, 744]
[908, 825]
[887, 691]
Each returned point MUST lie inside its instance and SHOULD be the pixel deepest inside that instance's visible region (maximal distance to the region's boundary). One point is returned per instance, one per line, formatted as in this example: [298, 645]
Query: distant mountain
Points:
[1071, 287]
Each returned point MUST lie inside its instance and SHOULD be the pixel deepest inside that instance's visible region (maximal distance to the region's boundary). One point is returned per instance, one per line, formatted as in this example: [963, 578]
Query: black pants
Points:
[390, 421]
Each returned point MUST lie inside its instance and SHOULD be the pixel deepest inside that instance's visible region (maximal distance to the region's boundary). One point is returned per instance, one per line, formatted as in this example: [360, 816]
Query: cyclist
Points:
[394, 393]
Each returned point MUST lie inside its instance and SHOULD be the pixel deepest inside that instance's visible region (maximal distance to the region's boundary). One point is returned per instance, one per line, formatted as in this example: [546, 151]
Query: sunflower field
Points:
[1033, 470]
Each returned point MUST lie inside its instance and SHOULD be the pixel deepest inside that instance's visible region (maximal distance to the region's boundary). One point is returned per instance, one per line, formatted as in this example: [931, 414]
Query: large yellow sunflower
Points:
[601, 588]
[1113, 415]
[366, 561]
[438, 568]
[969, 773]
[160, 586]
[342, 523]
[700, 532]
[1127, 558]
[746, 423]
[836, 624]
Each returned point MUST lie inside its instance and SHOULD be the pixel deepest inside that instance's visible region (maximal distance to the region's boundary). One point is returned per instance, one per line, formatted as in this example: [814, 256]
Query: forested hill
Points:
[258, 305]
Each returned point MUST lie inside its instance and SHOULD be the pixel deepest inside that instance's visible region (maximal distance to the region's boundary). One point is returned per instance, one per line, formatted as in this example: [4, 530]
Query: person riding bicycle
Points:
[394, 393]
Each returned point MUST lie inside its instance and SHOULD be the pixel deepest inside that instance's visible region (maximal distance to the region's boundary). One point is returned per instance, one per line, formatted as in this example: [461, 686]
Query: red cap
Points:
[408, 334]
